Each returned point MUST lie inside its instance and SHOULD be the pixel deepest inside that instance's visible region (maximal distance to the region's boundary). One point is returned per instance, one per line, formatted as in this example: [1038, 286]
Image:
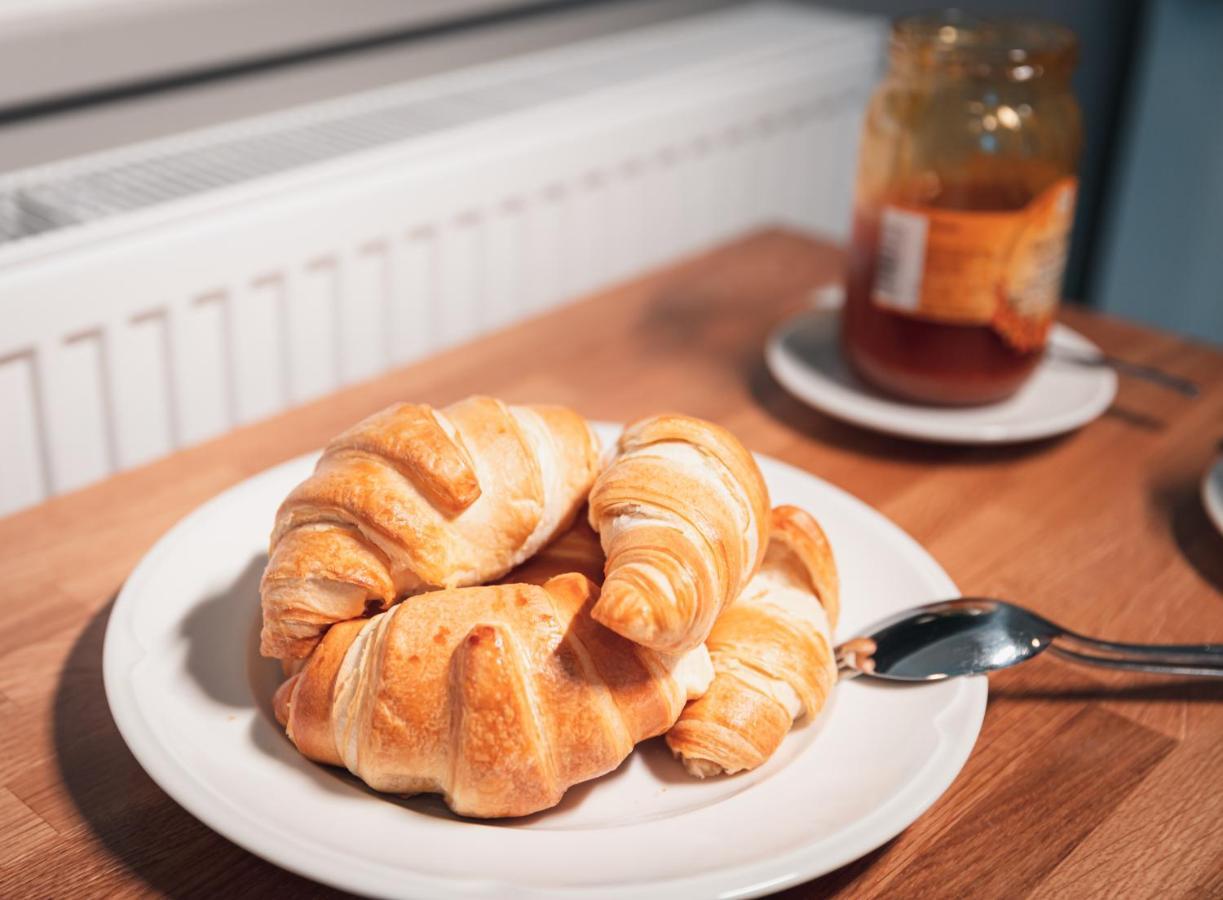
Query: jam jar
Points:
[965, 199]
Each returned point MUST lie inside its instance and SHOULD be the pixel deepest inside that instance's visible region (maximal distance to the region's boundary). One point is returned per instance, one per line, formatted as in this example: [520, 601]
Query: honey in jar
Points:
[965, 200]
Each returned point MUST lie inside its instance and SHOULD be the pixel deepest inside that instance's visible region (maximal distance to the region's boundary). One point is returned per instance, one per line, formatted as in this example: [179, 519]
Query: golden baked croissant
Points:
[413, 498]
[682, 513]
[772, 653]
[499, 697]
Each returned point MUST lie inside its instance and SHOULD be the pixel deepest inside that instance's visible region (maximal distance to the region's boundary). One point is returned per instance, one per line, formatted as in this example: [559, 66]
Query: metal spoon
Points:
[973, 635]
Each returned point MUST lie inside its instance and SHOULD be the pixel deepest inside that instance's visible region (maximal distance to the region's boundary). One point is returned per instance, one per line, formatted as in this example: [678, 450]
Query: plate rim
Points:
[791, 374]
[1212, 493]
[765, 875]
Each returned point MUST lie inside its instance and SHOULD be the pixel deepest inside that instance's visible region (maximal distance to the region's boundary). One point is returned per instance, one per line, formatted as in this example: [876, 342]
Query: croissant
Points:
[575, 550]
[682, 514]
[413, 498]
[499, 697]
[772, 654]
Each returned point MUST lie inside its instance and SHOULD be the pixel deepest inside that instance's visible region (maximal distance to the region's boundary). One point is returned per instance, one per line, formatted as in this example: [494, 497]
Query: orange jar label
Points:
[1002, 269]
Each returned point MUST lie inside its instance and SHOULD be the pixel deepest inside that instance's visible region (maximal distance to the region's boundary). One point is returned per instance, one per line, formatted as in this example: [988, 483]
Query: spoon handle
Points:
[1125, 367]
[1170, 659]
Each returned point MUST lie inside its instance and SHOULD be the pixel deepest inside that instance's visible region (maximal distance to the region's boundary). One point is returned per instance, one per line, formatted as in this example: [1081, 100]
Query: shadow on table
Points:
[1179, 502]
[796, 415]
[137, 823]
[1143, 421]
[1180, 690]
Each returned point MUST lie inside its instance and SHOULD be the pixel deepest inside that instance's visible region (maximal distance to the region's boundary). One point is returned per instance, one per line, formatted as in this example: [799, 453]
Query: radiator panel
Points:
[506, 191]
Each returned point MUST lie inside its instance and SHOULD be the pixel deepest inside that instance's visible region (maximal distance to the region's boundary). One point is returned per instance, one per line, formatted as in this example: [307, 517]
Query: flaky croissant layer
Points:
[414, 498]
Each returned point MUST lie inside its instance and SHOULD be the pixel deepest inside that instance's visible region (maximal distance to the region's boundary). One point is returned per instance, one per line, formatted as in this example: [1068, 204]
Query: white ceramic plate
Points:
[192, 699]
[1212, 493]
[804, 355]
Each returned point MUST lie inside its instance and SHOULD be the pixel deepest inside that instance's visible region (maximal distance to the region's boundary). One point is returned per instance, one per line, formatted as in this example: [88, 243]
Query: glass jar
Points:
[965, 198]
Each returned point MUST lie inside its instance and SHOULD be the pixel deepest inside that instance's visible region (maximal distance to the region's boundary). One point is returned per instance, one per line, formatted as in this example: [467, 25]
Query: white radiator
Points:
[159, 295]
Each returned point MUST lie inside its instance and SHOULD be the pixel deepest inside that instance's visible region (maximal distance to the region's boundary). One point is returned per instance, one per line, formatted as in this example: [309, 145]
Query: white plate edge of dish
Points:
[1212, 493]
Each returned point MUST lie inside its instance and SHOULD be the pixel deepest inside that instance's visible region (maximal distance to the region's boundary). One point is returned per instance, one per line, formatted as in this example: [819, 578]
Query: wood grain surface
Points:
[1083, 784]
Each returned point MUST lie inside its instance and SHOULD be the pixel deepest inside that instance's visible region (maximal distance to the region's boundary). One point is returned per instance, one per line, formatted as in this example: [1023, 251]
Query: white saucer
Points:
[192, 699]
[1212, 493]
[803, 354]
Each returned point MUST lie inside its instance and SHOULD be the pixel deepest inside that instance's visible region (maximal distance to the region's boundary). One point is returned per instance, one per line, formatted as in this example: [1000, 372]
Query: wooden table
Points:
[1083, 783]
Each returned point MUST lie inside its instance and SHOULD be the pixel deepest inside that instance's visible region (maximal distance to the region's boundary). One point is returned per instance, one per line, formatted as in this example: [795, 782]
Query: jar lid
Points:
[1021, 49]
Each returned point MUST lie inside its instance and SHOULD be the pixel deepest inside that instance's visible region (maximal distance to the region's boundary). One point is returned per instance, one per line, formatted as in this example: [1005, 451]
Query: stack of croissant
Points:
[450, 622]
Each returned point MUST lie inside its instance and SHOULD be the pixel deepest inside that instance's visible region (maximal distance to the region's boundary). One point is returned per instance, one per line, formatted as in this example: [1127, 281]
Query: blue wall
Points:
[1161, 249]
